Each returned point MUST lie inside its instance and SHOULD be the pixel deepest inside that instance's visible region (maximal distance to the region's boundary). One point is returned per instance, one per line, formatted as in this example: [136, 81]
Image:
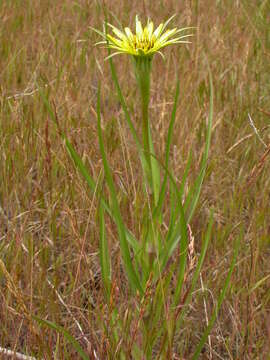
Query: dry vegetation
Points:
[48, 228]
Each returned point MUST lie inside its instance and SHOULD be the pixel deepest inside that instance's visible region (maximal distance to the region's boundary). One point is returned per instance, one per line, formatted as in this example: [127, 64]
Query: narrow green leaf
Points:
[185, 175]
[259, 283]
[167, 153]
[183, 255]
[84, 171]
[104, 254]
[174, 226]
[92, 185]
[167, 248]
[194, 192]
[124, 106]
[65, 333]
[131, 274]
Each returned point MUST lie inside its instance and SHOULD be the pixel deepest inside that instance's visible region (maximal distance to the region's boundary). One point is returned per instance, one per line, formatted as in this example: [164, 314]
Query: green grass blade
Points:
[92, 185]
[218, 306]
[104, 254]
[194, 280]
[168, 249]
[185, 175]
[183, 254]
[172, 236]
[72, 152]
[173, 215]
[174, 204]
[131, 274]
[167, 153]
[258, 284]
[84, 171]
[194, 192]
[181, 228]
[124, 107]
[65, 333]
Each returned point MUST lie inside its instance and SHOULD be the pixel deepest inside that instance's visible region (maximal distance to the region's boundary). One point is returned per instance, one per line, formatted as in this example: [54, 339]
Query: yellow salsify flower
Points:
[146, 41]
[142, 46]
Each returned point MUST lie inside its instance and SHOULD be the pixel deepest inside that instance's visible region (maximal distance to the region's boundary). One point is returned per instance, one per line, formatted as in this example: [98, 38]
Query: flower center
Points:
[144, 44]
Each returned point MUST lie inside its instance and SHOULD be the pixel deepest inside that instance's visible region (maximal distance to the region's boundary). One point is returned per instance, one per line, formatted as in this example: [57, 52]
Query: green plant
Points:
[150, 262]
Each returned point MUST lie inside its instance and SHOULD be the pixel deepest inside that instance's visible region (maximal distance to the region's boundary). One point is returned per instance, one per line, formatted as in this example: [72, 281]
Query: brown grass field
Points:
[49, 234]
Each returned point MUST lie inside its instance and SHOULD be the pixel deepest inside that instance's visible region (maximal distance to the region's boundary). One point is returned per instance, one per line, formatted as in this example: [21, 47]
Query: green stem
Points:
[143, 75]
[151, 167]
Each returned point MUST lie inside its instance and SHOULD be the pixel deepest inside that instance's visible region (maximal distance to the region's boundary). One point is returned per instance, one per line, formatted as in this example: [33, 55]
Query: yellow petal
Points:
[115, 41]
[158, 31]
[117, 32]
[129, 34]
[167, 34]
[139, 29]
[150, 29]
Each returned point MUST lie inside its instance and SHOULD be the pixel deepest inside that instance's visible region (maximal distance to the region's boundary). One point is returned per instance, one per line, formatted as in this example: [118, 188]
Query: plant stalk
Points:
[143, 76]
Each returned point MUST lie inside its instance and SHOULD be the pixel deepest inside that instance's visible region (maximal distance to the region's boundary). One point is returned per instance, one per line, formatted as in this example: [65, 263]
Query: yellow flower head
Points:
[146, 41]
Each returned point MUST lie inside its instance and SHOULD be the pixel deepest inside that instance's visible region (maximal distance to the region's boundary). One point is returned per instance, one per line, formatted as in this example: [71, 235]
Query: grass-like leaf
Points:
[132, 275]
[104, 254]
[183, 254]
[65, 333]
[194, 192]
[167, 154]
[181, 226]
[92, 185]
[84, 171]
